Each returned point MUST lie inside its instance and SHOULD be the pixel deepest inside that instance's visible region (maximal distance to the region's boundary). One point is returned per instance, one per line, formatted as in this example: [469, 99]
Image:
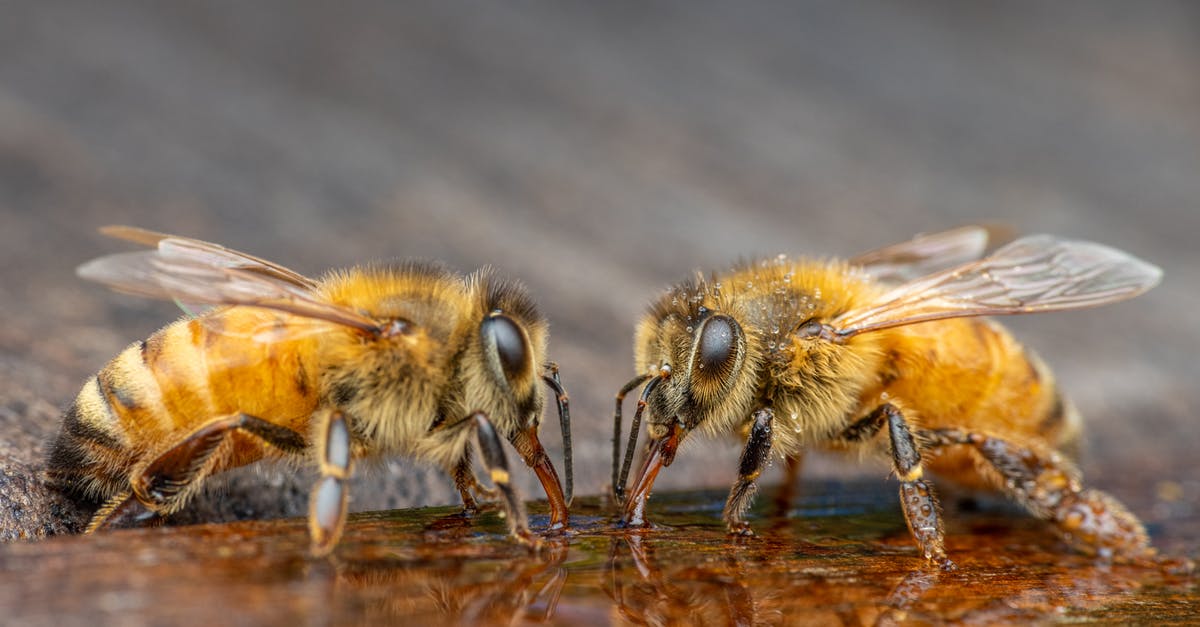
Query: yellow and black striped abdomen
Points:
[158, 391]
[970, 374]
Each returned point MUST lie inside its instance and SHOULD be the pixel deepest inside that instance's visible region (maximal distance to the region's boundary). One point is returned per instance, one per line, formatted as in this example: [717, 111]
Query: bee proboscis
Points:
[886, 354]
[378, 360]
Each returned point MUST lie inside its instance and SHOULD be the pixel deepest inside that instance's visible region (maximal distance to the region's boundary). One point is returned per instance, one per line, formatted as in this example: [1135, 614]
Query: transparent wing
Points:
[268, 331]
[191, 271]
[212, 254]
[925, 254]
[1033, 274]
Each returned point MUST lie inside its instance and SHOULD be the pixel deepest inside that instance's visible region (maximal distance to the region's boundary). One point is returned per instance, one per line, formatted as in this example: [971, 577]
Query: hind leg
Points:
[1047, 485]
[164, 485]
[123, 510]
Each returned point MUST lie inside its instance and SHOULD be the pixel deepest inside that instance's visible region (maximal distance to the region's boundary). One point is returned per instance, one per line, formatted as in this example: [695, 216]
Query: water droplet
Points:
[689, 329]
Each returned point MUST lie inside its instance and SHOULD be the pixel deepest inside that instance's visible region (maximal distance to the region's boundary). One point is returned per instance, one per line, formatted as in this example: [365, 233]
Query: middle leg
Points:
[917, 498]
[468, 486]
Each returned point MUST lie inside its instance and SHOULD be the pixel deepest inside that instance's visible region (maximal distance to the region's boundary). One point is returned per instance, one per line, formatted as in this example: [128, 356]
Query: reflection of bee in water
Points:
[794, 354]
[406, 359]
[715, 592]
[440, 587]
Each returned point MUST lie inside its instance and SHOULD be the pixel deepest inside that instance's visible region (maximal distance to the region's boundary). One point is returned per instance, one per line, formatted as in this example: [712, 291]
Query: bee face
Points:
[705, 359]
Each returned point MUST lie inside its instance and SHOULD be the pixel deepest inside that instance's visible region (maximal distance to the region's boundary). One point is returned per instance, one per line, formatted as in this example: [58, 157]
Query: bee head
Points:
[699, 372]
[703, 360]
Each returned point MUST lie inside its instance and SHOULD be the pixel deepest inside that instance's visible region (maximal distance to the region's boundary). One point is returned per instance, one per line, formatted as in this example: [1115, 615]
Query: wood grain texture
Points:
[599, 152]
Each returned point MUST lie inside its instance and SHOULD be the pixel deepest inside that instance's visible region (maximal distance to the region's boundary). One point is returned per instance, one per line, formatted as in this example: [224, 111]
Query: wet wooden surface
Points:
[842, 556]
[598, 152]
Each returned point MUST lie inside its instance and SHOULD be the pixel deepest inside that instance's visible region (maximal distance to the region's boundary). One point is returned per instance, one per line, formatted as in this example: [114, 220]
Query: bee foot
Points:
[741, 529]
[530, 541]
[944, 564]
[1180, 566]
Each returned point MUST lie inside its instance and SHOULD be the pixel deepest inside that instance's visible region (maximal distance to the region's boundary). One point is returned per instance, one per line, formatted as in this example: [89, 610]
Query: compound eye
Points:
[812, 328]
[503, 335]
[719, 345]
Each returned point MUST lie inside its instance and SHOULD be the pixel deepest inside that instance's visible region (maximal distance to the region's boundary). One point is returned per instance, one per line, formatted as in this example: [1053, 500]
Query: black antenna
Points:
[616, 456]
[564, 420]
[634, 428]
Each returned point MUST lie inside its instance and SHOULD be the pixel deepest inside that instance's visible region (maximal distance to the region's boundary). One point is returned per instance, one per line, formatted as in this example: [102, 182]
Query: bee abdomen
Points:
[90, 454]
[116, 410]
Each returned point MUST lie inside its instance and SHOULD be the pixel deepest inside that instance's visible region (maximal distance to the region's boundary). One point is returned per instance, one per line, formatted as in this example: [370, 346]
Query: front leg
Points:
[496, 463]
[917, 498]
[754, 456]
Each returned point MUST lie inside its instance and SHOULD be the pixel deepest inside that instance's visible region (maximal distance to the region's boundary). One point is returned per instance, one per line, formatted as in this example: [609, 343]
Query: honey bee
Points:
[376, 360]
[885, 354]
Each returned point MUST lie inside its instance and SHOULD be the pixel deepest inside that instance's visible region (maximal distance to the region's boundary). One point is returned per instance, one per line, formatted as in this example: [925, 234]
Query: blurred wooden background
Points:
[598, 151]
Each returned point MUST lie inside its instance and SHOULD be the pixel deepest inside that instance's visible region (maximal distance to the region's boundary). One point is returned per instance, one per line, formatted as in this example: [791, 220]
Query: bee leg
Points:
[496, 463]
[917, 497]
[469, 487]
[122, 510]
[791, 478]
[1047, 485]
[168, 481]
[754, 455]
[465, 482]
[328, 500]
